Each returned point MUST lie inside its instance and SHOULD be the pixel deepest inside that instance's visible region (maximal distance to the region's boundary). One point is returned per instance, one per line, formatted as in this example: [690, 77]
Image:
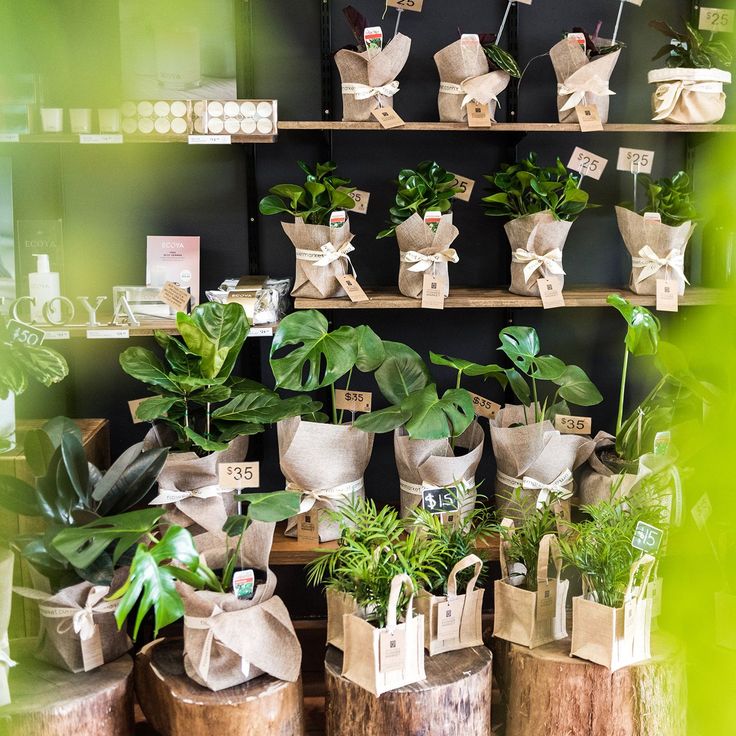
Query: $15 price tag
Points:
[353, 400]
[238, 475]
[587, 163]
[647, 538]
[573, 425]
[439, 500]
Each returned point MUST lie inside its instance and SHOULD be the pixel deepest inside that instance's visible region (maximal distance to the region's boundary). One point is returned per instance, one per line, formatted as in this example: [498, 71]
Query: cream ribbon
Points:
[550, 262]
[311, 497]
[650, 263]
[415, 489]
[556, 488]
[667, 95]
[578, 91]
[327, 254]
[460, 89]
[365, 91]
[79, 618]
[423, 261]
[168, 495]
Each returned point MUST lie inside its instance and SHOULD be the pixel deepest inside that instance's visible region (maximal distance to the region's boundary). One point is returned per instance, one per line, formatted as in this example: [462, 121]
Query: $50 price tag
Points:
[238, 475]
[25, 334]
[353, 400]
[573, 425]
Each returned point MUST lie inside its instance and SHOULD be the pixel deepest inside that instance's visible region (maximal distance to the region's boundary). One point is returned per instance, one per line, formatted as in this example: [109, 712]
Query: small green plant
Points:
[323, 192]
[593, 46]
[689, 48]
[673, 198]
[428, 187]
[501, 60]
[526, 188]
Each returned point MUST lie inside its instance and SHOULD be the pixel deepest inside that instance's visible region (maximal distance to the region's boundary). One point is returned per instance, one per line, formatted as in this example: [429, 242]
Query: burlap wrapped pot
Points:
[424, 464]
[321, 256]
[326, 463]
[657, 251]
[536, 243]
[689, 96]
[596, 480]
[6, 594]
[424, 251]
[369, 78]
[580, 80]
[464, 78]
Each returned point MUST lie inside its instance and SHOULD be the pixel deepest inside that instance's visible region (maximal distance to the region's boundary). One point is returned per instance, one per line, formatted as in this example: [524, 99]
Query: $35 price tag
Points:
[484, 407]
[353, 400]
[238, 475]
[573, 425]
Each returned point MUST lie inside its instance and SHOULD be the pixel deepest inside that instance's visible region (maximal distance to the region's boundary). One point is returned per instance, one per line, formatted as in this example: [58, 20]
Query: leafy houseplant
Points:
[596, 46]
[689, 48]
[672, 198]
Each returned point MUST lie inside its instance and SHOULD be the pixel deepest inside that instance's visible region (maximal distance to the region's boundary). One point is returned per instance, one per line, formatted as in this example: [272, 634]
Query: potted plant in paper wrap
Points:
[7, 563]
[540, 203]
[21, 363]
[202, 411]
[690, 88]
[369, 70]
[320, 232]
[78, 631]
[531, 454]
[656, 237]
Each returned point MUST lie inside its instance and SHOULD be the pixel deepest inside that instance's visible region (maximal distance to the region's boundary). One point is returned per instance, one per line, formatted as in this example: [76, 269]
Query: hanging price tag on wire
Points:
[587, 163]
[238, 475]
[716, 20]
[636, 161]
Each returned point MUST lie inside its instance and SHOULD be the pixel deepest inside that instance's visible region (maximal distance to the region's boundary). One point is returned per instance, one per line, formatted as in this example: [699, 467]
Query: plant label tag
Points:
[647, 538]
[449, 616]
[566, 424]
[238, 475]
[465, 186]
[551, 294]
[173, 295]
[9, 138]
[589, 118]
[353, 400]
[662, 441]
[387, 117]
[587, 163]
[433, 292]
[338, 219]
[57, 334]
[352, 288]
[479, 116]
[133, 406]
[307, 527]
[718, 20]
[391, 649]
[209, 140]
[108, 334]
[244, 584]
[652, 217]
[260, 331]
[25, 334]
[109, 138]
[561, 510]
[484, 407]
[373, 38]
[546, 600]
[92, 656]
[361, 199]
[439, 500]
[433, 219]
[701, 511]
[415, 5]
[635, 160]
[579, 37]
[666, 296]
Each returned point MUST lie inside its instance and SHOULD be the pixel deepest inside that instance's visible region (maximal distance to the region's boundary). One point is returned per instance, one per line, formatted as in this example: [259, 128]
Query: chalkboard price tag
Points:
[25, 334]
[439, 500]
[647, 538]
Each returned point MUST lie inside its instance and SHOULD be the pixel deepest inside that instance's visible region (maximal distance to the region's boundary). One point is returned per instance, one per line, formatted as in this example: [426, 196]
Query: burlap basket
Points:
[78, 632]
[338, 605]
[657, 251]
[535, 458]
[424, 464]
[597, 482]
[581, 81]
[7, 561]
[536, 243]
[228, 641]
[369, 78]
[321, 256]
[526, 617]
[436, 619]
[424, 251]
[615, 637]
[326, 463]
[689, 96]
[464, 77]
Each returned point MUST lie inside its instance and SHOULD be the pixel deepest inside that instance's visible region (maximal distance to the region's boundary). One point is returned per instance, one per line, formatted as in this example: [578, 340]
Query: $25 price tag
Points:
[353, 400]
[587, 163]
[238, 475]
[635, 160]
[573, 425]
[718, 20]
[465, 186]
[415, 5]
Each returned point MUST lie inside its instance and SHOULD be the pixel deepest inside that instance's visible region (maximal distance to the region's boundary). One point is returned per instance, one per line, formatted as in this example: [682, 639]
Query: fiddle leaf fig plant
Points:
[689, 48]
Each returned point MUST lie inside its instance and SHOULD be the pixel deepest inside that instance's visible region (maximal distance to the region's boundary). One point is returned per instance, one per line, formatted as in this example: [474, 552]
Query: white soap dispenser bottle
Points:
[43, 285]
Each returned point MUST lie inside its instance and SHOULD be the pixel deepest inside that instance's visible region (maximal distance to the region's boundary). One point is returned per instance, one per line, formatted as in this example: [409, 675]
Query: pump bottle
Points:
[43, 285]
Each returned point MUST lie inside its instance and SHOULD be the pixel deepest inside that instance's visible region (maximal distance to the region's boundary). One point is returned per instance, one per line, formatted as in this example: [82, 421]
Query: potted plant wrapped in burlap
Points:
[540, 203]
[422, 223]
[690, 88]
[656, 237]
[78, 570]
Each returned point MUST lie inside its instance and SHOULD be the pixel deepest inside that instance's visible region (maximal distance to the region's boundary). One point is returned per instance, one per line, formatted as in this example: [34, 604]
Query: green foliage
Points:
[323, 192]
[673, 198]
[642, 326]
[468, 368]
[502, 60]
[592, 47]
[526, 188]
[689, 49]
[401, 373]
[428, 187]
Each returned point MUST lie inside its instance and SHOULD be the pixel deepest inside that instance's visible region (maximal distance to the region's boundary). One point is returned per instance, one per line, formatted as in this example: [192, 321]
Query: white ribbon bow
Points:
[553, 489]
[365, 91]
[81, 618]
[461, 89]
[667, 95]
[550, 262]
[423, 261]
[650, 263]
[311, 497]
[578, 91]
[330, 254]
[168, 495]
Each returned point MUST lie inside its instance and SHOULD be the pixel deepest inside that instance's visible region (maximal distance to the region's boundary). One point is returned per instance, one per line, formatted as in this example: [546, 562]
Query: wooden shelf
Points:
[153, 138]
[145, 329]
[476, 298]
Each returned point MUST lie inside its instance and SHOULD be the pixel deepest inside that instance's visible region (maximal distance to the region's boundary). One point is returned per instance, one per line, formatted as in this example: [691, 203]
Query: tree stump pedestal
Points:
[177, 706]
[454, 699]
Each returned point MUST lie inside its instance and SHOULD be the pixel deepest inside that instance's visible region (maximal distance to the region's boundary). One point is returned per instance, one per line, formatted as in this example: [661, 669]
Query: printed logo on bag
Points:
[439, 500]
[587, 163]
[415, 5]
[238, 475]
[589, 118]
[307, 529]
[337, 219]
[24, 334]
[465, 186]
[387, 117]
[352, 288]
[666, 296]
[717, 20]
[546, 600]
[484, 407]
[647, 538]
[353, 400]
[449, 617]
[635, 160]
[573, 425]
[391, 650]
[550, 293]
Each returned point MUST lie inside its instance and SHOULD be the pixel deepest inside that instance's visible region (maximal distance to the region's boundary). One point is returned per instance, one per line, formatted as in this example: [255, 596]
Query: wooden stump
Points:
[46, 701]
[548, 692]
[176, 706]
[455, 699]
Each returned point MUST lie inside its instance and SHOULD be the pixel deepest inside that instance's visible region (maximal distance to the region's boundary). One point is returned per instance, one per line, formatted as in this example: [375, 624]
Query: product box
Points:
[235, 117]
[37, 237]
[174, 258]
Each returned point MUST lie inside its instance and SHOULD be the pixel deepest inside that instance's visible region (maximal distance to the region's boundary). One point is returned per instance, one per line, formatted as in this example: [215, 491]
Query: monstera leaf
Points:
[434, 418]
[468, 368]
[577, 388]
[402, 372]
[642, 333]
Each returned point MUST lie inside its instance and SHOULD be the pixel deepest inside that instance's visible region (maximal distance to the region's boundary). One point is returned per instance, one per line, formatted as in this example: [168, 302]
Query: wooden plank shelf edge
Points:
[145, 329]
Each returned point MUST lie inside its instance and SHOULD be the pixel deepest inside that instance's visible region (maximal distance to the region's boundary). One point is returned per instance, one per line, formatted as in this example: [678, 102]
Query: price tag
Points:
[551, 293]
[479, 116]
[108, 334]
[484, 407]
[9, 138]
[307, 526]
[57, 334]
[176, 297]
[666, 296]
[449, 616]
[465, 186]
[25, 334]
[361, 200]
[635, 160]
[353, 400]
[415, 5]
[701, 511]
[573, 425]
[133, 406]
[391, 649]
[209, 140]
[387, 117]
[653, 216]
[587, 163]
[238, 475]
[352, 288]
[647, 538]
[589, 118]
[260, 332]
[546, 599]
[433, 292]
[439, 500]
[110, 138]
[92, 656]
[718, 20]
